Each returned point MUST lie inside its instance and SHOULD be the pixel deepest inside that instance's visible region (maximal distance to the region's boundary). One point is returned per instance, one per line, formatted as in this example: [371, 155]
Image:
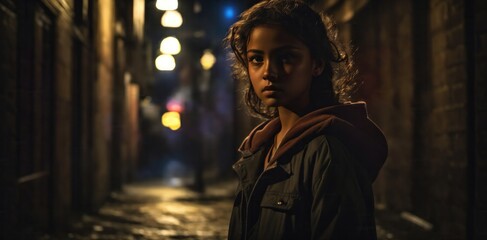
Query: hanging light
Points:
[170, 45]
[165, 62]
[171, 120]
[172, 19]
[167, 5]
[207, 60]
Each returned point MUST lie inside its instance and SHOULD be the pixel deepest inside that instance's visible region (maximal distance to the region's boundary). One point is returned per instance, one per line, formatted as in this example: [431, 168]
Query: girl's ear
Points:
[318, 68]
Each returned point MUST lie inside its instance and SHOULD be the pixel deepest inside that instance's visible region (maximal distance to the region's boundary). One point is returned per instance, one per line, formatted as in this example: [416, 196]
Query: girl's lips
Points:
[271, 88]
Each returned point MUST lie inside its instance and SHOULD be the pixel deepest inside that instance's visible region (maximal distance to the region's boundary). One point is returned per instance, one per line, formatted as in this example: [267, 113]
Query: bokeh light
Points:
[165, 62]
[207, 60]
[171, 120]
[167, 5]
[172, 19]
[170, 45]
[229, 12]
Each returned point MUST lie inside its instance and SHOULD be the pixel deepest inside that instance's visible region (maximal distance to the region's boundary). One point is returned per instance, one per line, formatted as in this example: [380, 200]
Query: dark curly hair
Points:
[315, 30]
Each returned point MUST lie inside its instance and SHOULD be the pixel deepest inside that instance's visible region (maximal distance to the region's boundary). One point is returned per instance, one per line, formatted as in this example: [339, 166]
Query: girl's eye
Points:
[255, 59]
[287, 58]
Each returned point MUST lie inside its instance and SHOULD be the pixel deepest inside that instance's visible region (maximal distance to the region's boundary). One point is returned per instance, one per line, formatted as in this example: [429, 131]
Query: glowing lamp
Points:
[167, 5]
[170, 45]
[171, 120]
[165, 62]
[207, 60]
[172, 19]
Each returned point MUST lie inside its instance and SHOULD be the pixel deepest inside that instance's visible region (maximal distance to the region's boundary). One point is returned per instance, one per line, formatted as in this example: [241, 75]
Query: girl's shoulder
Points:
[324, 143]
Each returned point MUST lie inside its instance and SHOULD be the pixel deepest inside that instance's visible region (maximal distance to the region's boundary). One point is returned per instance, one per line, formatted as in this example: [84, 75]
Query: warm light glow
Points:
[165, 62]
[167, 4]
[197, 7]
[139, 15]
[174, 106]
[207, 60]
[170, 45]
[171, 120]
[172, 19]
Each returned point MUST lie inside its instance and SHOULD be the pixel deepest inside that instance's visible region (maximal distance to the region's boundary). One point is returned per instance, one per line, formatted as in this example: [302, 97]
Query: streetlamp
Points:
[167, 5]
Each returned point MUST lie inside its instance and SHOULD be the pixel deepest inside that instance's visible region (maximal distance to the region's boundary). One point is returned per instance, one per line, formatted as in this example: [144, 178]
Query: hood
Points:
[348, 122]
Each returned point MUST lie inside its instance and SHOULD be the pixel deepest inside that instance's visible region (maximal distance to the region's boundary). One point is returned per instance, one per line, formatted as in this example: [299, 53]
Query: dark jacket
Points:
[318, 183]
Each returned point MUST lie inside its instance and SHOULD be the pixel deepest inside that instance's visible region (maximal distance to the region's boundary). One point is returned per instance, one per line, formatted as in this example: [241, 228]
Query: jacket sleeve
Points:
[338, 207]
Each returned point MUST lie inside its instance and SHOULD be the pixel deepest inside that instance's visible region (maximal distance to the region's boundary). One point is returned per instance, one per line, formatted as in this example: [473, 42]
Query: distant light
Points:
[167, 5]
[199, 34]
[174, 106]
[229, 12]
[176, 181]
[197, 7]
[127, 77]
[138, 18]
[172, 19]
[172, 120]
[170, 45]
[165, 62]
[207, 60]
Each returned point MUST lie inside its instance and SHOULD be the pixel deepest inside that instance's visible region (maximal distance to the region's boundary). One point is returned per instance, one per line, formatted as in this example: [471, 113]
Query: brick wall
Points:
[56, 96]
[102, 108]
[480, 103]
[61, 165]
[445, 122]
[8, 31]
[382, 34]
[413, 59]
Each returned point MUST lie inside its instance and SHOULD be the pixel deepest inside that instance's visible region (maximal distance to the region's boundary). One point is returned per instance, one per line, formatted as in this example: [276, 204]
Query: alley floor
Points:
[152, 210]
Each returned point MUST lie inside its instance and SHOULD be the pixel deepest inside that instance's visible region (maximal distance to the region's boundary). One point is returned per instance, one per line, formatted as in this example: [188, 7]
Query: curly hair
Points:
[315, 30]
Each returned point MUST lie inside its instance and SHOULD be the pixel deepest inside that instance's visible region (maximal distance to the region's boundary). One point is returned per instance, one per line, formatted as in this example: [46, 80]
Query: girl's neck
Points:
[288, 118]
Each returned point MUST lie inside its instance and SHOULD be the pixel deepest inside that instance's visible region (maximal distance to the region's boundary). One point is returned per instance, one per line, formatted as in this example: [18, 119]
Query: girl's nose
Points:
[270, 72]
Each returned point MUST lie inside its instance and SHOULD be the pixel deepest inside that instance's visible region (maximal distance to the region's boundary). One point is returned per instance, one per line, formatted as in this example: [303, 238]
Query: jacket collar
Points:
[349, 122]
[249, 167]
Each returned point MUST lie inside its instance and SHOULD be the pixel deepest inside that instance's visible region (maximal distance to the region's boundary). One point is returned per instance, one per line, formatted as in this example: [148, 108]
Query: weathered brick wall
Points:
[8, 55]
[61, 166]
[413, 54]
[102, 109]
[480, 101]
[383, 38]
[445, 123]
[56, 96]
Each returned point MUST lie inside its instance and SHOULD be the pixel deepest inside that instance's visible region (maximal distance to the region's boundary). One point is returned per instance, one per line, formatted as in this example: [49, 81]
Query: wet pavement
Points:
[152, 210]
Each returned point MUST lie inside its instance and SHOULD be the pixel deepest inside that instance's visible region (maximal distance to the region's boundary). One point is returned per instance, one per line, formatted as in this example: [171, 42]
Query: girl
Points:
[306, 172]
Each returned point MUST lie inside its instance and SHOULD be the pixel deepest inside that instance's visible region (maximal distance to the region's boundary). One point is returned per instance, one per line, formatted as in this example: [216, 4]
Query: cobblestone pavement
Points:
[151, 210]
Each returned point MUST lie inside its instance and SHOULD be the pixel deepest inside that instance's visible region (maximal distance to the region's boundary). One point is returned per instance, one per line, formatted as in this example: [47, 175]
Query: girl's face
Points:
[280, 68]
